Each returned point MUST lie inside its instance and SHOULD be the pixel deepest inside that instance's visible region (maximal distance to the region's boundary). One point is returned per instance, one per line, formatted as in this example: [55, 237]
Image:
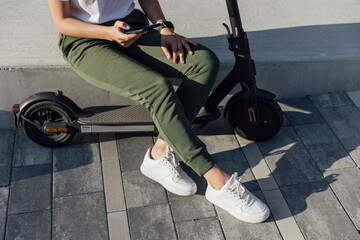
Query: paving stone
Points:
[4, 194]
[132, 150]
[6, 120]
[344, 121]
[108, 147]
[191, 207]
[258, 165]
[288, 159]
[355, 97]
[151, 222]
[282, 215]
[228, 156]
[236, 229]
[346, 185]
[286, 121]
[30, 189]
[113, 186]
[206, 229]
[300, 111]
[355, 155]
[220, 126]
[324, 147]
[118, 226]
[330, 100]
[34, 225]
[318, 212]
[27, 153]
[141, 191]
[77, 169]
[80, 217]
[6, 154]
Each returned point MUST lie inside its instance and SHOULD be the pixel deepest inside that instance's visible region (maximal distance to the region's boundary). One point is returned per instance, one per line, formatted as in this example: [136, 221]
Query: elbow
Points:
[61, 26]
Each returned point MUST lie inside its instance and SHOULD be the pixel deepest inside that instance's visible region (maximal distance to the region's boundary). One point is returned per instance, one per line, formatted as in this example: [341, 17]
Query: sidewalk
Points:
[92, 189]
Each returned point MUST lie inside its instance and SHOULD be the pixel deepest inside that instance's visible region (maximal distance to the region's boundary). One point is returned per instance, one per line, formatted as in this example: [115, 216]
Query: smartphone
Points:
[143, 29]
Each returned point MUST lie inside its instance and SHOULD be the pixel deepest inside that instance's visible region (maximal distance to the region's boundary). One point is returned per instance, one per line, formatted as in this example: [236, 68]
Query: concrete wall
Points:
[28, 36]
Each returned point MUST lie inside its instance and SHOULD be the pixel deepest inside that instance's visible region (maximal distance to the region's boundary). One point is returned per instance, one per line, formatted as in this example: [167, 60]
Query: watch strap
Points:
[166, 24]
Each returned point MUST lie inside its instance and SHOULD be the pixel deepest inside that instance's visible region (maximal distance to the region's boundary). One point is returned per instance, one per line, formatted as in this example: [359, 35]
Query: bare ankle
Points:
[216, 177]
[159, 149]
[156, 153]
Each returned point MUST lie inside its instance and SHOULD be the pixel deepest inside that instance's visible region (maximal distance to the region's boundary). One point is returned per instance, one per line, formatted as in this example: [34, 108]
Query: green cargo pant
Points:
[139, 72]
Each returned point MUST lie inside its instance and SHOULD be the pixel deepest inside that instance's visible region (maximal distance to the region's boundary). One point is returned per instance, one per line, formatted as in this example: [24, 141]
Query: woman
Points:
[93, 42]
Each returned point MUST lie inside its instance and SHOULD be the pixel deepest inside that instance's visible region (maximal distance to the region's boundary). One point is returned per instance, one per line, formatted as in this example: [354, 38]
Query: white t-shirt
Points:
[100, 11]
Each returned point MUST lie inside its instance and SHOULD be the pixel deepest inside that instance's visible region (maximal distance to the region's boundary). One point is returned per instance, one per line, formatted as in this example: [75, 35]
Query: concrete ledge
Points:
[285, 79]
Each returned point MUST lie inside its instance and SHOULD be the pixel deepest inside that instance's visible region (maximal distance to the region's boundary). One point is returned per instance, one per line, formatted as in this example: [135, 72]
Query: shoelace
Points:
[170, 157]
[239, 189]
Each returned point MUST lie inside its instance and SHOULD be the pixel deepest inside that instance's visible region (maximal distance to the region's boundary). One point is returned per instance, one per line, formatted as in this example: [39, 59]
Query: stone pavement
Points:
[92, 189]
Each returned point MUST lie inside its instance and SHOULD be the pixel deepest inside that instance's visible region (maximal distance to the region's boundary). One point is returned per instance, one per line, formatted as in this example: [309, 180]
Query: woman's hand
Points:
[117, 34]
[177, 44]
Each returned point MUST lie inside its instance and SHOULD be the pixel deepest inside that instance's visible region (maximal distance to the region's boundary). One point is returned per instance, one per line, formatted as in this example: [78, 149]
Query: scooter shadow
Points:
[296, 172]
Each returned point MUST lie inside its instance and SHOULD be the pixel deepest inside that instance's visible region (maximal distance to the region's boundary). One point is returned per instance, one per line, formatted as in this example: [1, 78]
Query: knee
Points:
[204, 62]
[212, 61]
[207, 59]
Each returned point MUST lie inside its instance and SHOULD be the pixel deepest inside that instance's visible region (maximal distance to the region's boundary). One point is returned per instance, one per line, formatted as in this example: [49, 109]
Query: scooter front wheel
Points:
[45, 112]
[269, 124]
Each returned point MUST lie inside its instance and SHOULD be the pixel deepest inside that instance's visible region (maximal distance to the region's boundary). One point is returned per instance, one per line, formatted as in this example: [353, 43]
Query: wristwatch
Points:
[166, 24]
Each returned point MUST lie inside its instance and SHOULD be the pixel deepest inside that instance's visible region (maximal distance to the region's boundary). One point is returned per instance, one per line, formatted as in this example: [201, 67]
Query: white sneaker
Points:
[168, 173]
[234, 198]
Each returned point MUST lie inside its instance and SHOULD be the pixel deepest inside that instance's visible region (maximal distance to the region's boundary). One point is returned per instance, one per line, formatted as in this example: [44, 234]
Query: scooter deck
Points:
[117, 115]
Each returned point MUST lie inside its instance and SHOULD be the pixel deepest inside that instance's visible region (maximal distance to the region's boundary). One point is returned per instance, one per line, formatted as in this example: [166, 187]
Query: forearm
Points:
[152, 10]
[76, 28]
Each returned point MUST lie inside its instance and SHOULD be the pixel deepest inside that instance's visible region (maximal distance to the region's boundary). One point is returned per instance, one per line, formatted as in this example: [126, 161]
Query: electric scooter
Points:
[52, 119]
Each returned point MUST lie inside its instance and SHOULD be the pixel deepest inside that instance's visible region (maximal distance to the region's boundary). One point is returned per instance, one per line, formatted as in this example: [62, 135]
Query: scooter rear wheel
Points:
[271, 120]
[45, 112]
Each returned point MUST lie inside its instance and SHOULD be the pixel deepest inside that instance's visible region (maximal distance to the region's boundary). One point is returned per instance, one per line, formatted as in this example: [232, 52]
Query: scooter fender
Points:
[261, 93]
[57, 97]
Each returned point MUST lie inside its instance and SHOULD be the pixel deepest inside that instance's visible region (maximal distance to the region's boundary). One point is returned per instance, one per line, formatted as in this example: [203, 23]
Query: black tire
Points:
[41, 113]
[271, 120]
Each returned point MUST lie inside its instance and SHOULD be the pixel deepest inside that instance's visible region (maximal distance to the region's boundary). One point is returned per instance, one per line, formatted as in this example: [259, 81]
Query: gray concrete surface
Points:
[29, 37]
[35, 225]
[311, 188]
[84, 208]
[30, 189]
[4, 194]
[320, 216]
[300, 47]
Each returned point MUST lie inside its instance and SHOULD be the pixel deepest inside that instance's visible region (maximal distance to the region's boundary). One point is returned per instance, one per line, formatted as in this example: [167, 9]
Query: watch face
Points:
[168, 24]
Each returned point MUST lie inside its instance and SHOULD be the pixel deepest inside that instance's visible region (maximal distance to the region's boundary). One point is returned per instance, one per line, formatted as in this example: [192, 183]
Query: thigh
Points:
[148, 51]
[103, 64]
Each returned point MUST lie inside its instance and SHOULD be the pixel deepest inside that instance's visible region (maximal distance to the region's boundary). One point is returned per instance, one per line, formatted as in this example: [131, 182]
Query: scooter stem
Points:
[243, 71]
[235, 20]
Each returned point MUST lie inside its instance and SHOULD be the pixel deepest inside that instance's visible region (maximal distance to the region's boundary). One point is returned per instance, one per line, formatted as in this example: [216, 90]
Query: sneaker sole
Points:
[147, 173]
[240, 217]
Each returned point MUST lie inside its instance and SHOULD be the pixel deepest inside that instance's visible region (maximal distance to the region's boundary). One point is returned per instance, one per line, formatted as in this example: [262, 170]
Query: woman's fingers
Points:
[122, 38]
[166, 51]
[175, 51]
[187, 47]
[122, 25]
[126, 40]
[191, 41]
[181, 52]
[176, 46]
